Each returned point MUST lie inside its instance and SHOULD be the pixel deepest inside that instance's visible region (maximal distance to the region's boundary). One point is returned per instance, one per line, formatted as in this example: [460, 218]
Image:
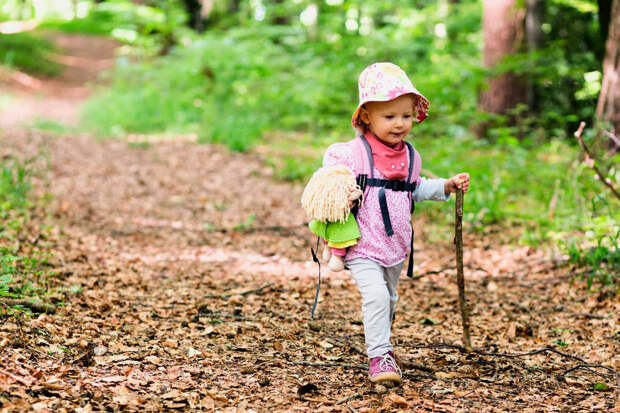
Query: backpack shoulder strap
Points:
[415, 165]
[362, 159]
[362, 155]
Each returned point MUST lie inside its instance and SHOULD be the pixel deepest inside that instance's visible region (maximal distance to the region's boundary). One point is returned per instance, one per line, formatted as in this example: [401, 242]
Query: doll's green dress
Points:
[337, 235]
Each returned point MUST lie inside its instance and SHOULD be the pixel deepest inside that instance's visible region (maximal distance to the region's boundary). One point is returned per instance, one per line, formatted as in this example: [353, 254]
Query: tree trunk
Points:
[608, 107]
[233, 6]
[194, 10]
[535, 10]
[280, 18]
[604, 11]
[503, 36]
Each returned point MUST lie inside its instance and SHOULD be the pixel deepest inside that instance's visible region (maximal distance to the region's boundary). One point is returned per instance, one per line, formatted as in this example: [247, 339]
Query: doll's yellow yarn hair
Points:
[326, 196]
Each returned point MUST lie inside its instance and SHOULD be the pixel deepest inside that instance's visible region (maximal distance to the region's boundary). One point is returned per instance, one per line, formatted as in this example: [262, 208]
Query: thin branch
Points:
[442, 270]
[515, 355]
[589, 367]
[590, 161]
[346, 399]
[35, 306]
[244, 293]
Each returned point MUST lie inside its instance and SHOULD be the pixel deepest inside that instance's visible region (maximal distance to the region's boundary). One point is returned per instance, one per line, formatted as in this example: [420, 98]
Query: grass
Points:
[23, 264]
[28, 53]
[51, 126]
[600, 262]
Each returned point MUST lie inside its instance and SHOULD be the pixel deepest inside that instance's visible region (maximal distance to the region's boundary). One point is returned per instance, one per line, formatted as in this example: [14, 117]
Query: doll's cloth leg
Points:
[327, 254]
[339, 252]
[378, 301]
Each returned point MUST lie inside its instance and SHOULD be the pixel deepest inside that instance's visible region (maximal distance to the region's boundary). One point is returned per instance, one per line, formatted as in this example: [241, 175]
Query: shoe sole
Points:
[395, 377]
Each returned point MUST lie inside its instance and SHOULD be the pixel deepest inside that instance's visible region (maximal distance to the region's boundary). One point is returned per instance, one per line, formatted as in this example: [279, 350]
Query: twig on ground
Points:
[219, 314]
[517, 355]
[590, 316]
[35, 306]
[444, 269]
[588, 367]
[319, 364]
[346, 399]
[243, 293]
[590, 161]
[507, 355]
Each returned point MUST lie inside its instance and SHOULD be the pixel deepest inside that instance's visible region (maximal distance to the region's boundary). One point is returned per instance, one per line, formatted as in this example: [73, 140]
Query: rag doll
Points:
[327, 199]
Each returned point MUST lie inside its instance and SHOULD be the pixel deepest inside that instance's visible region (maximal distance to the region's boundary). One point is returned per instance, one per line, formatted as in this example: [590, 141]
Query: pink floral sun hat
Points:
[381, 82]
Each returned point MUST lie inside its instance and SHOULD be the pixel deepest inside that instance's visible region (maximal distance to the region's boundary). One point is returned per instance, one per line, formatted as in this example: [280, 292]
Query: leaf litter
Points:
[175, 315]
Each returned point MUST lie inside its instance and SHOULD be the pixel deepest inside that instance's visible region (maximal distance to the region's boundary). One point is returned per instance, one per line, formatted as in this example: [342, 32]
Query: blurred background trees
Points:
[534, 67]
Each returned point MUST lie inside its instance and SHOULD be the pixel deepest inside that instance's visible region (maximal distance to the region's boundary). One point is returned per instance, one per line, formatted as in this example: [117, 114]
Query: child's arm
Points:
[439, 189]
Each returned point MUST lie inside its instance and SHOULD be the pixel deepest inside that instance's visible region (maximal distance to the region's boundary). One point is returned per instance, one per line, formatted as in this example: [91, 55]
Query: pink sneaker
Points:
[384, 368]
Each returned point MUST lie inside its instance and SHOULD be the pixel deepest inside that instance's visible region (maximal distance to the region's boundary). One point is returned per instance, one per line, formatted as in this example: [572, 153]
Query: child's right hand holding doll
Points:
[354, 195]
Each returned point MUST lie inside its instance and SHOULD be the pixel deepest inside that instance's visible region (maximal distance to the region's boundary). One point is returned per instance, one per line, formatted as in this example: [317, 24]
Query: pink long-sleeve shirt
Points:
[374, 243]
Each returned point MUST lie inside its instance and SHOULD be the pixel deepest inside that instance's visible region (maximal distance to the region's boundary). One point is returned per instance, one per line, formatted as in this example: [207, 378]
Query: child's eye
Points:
[407, 116]
[389, 116]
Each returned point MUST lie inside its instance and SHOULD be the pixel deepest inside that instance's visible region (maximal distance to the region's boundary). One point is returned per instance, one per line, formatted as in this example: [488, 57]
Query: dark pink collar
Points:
[391, 161]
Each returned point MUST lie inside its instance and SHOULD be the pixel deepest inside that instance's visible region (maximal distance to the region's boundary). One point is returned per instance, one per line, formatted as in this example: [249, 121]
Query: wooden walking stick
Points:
[460, 279]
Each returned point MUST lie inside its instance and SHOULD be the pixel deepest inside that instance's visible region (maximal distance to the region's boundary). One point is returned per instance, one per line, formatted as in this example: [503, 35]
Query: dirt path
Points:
[57, 99]
[188, 287]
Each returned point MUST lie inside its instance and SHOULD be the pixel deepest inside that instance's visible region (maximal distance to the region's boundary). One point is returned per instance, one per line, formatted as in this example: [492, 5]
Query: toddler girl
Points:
[388, 106]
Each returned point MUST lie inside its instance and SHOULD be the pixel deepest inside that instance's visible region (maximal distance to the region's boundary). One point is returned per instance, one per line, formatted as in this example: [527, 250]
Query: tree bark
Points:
[608, 106]
[535, 11]
[503, 25]
[280, 18]
[604, 12]
[233, 6]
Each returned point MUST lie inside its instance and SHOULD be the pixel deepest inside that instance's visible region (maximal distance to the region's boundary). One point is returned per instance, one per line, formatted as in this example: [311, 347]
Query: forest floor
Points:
[183, 282]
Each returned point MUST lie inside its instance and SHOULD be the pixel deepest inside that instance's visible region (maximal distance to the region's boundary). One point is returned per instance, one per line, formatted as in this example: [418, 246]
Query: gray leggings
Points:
[377, 285]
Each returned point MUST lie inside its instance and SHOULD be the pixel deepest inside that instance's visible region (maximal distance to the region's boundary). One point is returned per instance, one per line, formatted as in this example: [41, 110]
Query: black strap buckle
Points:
[362, 180]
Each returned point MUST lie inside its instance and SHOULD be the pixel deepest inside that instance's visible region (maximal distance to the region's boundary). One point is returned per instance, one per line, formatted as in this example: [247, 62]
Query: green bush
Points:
[601, 262]
[24, 51]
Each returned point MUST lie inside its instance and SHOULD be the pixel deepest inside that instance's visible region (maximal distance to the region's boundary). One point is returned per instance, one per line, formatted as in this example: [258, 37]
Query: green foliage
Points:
[21, 264]
[601, 262]
[50, 126]
[14, 188]
[22, 275]
[153, 28]
[24, 51]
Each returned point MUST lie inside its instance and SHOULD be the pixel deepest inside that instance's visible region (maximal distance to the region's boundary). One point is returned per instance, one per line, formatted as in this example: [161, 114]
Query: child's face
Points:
[390, 121]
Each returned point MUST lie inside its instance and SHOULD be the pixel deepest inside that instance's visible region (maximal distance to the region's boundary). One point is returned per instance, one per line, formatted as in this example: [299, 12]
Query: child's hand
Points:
[460, 181]
[355, 194]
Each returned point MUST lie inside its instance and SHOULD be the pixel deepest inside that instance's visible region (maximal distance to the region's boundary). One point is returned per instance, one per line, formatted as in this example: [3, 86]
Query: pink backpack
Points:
[362, 158]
